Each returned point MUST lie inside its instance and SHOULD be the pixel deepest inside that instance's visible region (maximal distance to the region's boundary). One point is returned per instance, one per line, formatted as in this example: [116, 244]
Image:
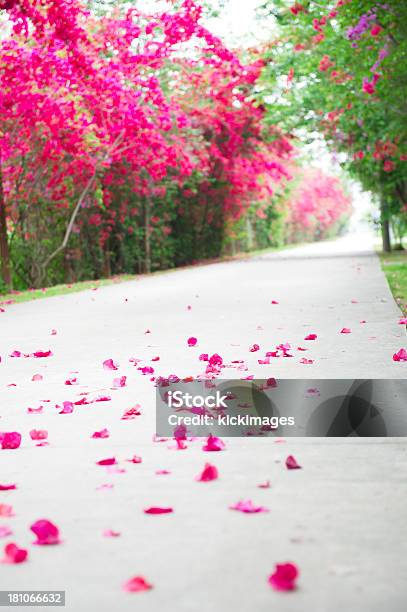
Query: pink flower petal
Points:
[311, 337]
[110, 533]
[39, 354]
[274, 302]
[132, 413]
[71, 381]
[247, 507]
[108, 461]
[403, 321]
[8, 487]
[346, 330]
[14, 554]
[158, 510]
[284, 577]
[109, 364]
[120, 382]
[292, 464]
[47, 533]
[10, 439]
[38, 434]
[137, 584]
[162, 472]
[6, 510]
[210, 472]
[103, 433]
[264, 485]
[135, 459]
[192, 341]
[306, 361]
[254, 348]
[67, 408]
[213, 444]
[401, 355]
[5, 531]
[37, 377]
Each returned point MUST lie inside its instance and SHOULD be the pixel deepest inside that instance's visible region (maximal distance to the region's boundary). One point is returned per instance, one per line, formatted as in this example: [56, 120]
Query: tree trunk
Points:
[4, 249]
[147, 242]
[385, 227]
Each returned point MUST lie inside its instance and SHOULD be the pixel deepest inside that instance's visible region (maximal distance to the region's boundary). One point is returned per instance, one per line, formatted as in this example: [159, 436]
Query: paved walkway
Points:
[341, 518]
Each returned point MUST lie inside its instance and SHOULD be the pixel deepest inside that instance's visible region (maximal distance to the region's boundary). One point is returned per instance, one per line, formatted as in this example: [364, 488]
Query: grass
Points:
[395, 268]
[15, 297]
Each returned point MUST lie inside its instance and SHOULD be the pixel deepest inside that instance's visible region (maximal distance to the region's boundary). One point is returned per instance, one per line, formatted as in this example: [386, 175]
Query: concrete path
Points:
[341, 519]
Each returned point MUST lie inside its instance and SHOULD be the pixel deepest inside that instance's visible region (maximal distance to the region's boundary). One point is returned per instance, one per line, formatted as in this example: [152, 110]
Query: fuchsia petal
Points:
[37, 377]
[39, 354]
[192, 341]
[47, 533]
[38, 434]
[120, 382]
[5, 531]
[210, 472]
[14, 554]
[158, 510]
[213, 444]
[8, 487]
[10, 439]
[254, 348]
[291, 463]
[401, 355]
[6, 510]
[137, 584]
[108, 461]
[284, 577]
[247, 507]
[346, 330]
[109, 364]
[110, 533]
[311, 337]
[103, 433]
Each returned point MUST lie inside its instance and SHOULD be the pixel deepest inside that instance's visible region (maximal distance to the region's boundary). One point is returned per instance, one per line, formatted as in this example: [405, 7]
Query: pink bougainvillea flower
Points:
[215, 360]
[16, 354]
[158, 510]
[403, 321]
[110, 533]
[155, 358]
[375, 31]
[284, 577]
[71, 381]
[38, 434]
[192, 341]
[6, 510]
[264, 485]
[135, 459]
[204, 357]
[264, 361]
[306, 361]
[213, 443]
[14, 554]
[109, 364]
[108, 461]
[103, 398]
[247, 507]
[8, 487]
[37, 377]
[103, 433]
[47, 533]
[67, 408]
[137, 584]
[146, 370]
[131, 413]
[254, 348]
[311, 337]
[346, 330]
[5, 531]
[291, 463]
[39, 354]
[401, 355]
[274, 302]
[210, 472]
[10, 439]
[120, 382]
[300, 348]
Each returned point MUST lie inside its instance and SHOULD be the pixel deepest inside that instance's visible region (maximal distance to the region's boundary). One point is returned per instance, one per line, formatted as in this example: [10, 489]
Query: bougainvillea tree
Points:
[339, 68]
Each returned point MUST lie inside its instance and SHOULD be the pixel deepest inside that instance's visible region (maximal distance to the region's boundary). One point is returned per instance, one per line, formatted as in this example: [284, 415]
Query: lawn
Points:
[395, 268]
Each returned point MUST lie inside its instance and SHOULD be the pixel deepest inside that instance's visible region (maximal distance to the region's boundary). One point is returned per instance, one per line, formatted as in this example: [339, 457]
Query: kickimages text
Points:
[243, 420]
